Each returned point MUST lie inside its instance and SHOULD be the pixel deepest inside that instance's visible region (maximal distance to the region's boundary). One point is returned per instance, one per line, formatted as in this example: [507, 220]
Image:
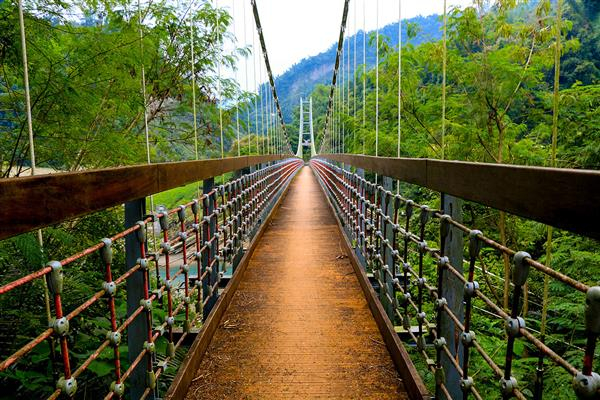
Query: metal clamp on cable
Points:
[110, 288]
[114, 338]
[441, 303]
[587, 383]
[60, 326]
[146, 304]
[106, 253]
[117, 388]
[166, 247]
[151, 379]
[474, 244]
[467, 338]
[592, 310]
[466, 384]
[513, 326]
[55, 277]
[439, 343]
[520, 270]
[163, 218]
[409, 209]
[586, 386]
[140, 233]
[68, 387]
[443, 262]
[425, 212]
[143, 262]
[150, 347]
[470, 288]
[404, 297]
[508, 386]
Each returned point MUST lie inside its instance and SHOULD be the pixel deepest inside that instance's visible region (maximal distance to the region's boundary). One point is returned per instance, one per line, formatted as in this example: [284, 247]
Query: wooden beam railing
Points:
[560, 197]
[35, 202]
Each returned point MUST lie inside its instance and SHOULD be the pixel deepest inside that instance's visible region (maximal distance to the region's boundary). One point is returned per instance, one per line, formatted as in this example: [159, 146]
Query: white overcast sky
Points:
[295, 29]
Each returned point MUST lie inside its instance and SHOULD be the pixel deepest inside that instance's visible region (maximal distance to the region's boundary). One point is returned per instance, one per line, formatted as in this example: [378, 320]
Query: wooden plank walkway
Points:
[298, 325]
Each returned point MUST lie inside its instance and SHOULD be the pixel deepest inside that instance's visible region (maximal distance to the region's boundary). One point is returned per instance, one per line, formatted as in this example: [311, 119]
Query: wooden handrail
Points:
[34, 202]
[564, 198]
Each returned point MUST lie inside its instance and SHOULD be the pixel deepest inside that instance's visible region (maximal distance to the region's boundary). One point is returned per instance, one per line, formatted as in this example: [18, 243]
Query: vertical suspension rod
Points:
[269, 71]
[337, 65]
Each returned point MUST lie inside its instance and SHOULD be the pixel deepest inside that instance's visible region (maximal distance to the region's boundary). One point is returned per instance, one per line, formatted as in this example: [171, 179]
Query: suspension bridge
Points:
[295, 279]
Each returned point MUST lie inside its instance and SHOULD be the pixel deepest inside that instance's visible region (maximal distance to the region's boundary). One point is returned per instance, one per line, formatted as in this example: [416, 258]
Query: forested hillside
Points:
[300, 79]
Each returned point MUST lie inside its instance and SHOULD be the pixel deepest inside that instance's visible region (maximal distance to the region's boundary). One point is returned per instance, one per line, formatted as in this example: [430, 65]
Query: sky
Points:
[296, 29]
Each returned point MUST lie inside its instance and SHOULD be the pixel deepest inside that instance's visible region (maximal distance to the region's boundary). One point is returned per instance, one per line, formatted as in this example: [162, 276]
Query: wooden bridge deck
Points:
[298, 326]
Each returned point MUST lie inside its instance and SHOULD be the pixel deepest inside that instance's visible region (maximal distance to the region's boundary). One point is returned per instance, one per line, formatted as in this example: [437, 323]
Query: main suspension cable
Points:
[288, 147]
[328, 114]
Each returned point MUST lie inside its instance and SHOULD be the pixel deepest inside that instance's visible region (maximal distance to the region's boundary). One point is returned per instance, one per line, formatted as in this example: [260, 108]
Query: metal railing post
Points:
[135, 211]
[387, 232]
[451, 290]
[207, 254]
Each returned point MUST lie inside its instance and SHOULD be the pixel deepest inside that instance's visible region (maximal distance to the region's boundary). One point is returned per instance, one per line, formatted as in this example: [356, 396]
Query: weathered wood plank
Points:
[298, 325]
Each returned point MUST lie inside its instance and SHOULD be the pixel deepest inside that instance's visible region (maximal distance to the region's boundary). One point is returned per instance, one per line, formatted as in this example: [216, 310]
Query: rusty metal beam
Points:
[560, 197]
[34, 202]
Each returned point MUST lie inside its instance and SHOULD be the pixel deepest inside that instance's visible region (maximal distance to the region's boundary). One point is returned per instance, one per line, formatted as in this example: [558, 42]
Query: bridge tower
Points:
[301, 139]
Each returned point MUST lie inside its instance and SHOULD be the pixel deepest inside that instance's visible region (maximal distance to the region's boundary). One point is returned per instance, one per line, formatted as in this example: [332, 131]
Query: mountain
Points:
[301, 78]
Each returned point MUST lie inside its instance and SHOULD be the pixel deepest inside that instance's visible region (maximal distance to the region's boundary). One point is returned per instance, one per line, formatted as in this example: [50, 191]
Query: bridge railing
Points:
[175, 259]
[418, 269]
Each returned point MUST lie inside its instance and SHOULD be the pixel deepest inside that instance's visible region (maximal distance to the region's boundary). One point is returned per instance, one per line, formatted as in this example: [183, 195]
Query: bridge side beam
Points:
[135, 211]
[452, 290]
